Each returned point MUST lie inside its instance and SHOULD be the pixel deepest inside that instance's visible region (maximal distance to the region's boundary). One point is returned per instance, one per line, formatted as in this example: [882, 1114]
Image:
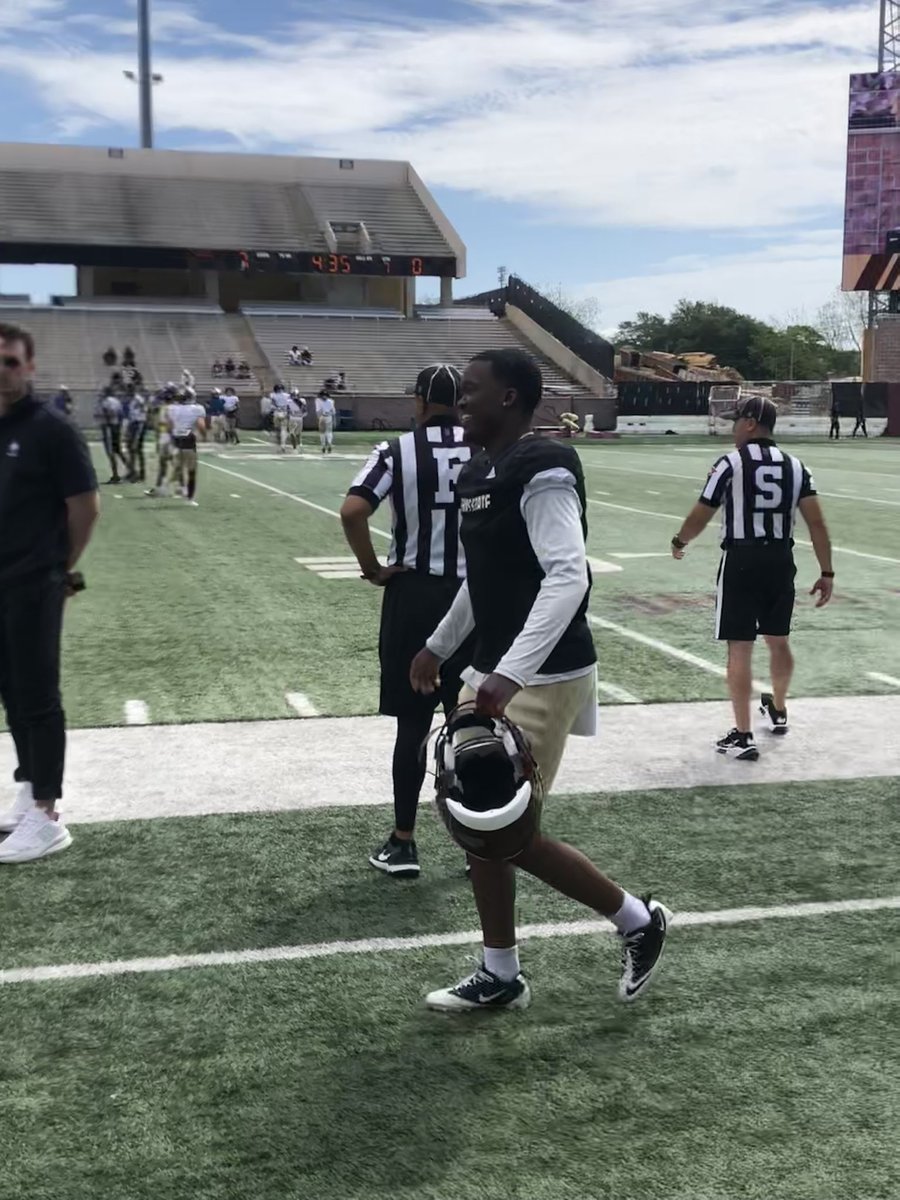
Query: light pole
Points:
[145, 79]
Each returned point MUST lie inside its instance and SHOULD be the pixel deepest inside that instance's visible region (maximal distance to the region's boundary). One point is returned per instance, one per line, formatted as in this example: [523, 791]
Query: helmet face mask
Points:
[488, 787]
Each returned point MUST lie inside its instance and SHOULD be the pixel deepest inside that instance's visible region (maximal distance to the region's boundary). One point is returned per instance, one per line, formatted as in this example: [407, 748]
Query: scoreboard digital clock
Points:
[301, 262]
[298, 262]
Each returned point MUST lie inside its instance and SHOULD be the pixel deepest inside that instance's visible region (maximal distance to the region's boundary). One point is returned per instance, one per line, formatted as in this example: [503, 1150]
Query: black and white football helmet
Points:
[488, 787]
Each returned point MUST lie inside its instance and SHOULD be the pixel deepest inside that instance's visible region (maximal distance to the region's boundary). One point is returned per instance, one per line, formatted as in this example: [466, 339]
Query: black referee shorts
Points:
[755, 593]
[413, 607]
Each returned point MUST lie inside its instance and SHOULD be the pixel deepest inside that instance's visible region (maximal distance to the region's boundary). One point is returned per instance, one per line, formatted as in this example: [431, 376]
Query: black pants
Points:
[860, 424]
[835, 430]
[31, 615]
[136, 464]
[112, 442]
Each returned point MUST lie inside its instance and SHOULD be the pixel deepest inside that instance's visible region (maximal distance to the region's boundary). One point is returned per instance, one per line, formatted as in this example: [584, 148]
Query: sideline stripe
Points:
[891, 680]
[301, 704]
[288, 495]
[646, 512]
[554, 929]
[685, 656]
[136, 713]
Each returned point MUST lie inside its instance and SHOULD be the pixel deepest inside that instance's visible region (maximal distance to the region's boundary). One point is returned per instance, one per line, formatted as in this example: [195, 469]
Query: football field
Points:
[211, 994]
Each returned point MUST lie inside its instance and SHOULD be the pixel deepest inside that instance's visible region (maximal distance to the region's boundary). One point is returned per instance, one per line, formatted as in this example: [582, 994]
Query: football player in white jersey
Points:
[279, 400]
[326, 413]
[188, 418]
[231, 405]
[297, 409]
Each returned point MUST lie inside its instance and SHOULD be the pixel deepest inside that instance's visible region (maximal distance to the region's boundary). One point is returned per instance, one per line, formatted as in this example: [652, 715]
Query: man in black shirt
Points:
[48, 507]
[523, 529]
[417, 472]
[759, 489]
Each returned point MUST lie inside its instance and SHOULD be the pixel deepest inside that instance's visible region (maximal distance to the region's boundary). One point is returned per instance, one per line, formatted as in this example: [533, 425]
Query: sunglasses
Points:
[10, 362]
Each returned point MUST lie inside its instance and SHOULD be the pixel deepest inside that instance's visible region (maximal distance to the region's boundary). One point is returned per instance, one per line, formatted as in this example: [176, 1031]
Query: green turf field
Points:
[301, 1064]
[763, 1065]
[203, 614]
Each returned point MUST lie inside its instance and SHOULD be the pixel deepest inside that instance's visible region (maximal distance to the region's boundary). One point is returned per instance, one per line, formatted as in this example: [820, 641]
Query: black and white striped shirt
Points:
[758, 488]
[418, 472]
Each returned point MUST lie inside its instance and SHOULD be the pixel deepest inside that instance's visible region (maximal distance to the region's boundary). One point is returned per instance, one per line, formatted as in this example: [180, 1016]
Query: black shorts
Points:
[754, 593]
[413, 607]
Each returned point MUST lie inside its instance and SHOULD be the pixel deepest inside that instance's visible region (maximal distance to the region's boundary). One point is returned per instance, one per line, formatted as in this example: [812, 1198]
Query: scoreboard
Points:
[297, 262]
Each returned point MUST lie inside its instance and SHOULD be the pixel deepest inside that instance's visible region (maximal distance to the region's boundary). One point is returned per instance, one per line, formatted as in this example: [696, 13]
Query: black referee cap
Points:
[755, 408]
[439, 384]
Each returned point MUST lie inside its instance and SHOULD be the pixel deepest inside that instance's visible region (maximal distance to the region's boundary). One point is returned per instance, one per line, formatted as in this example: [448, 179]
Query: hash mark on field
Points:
[599, 566]
[616, 693]
[554, 929]
[136, 713]
[685, 656]
[235, 496]
[891, 680]
[596, 493]
[644, 554]
[301, 704]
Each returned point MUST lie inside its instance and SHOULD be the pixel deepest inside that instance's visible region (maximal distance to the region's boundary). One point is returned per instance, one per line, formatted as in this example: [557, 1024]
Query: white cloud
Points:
[683, 115]
[695, 115]
[784, 278]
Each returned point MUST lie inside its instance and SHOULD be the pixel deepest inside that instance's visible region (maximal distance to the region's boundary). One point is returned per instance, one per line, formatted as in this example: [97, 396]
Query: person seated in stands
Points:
[243, 369]
[306, 357]
[217, 369]
[341, 381]
[187, 379]
[110, 358]
[116, 382]
[229, 365]
[294, 357]
[129, 372]
[128, 359]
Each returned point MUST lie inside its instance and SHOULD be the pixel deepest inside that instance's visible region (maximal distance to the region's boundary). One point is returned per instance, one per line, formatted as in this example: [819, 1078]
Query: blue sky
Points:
[633, 150]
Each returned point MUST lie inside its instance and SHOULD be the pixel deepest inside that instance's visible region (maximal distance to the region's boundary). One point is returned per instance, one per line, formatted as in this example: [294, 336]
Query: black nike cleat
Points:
[778, 722]
[738, 745]
[397, 858]
[481, 990]
[642, 951]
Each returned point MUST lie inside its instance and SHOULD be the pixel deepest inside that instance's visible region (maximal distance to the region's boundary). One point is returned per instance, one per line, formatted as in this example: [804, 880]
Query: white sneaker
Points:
[36, 836]
[23, 802]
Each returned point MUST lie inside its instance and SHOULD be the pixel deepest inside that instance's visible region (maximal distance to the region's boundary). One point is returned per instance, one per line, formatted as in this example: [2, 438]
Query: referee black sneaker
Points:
[738, 745]
[397, 858]
[778, 722]
[642, 951]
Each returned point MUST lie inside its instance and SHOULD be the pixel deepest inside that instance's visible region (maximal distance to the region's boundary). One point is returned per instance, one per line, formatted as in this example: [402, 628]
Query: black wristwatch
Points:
[827, 574]
[678, 543]
[75, 580]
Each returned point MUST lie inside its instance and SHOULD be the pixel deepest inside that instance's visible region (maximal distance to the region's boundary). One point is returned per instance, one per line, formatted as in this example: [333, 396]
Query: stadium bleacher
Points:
[72, 340]
[382, 355]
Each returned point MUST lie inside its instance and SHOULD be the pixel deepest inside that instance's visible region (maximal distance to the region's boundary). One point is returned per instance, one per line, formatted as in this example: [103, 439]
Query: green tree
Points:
[753, 347]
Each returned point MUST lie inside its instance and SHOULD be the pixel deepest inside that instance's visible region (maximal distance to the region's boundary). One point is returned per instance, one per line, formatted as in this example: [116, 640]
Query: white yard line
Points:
[600, 566]
[617, 693]
[301, 704]
[136, 713]
[329, 512]
[890, 680]
[545, 932]
[643, 554]
[647, 512]
[685, 656]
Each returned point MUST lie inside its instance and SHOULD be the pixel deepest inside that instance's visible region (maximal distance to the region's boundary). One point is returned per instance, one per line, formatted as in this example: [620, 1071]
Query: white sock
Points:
[632, 915]
[502, 963]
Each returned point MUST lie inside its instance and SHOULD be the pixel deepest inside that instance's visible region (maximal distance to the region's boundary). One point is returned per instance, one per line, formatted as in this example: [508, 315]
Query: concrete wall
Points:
[884, 359]
[558, 353]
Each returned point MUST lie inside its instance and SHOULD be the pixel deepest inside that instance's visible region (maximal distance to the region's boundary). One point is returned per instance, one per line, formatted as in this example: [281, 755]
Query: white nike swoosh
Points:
[488, 999]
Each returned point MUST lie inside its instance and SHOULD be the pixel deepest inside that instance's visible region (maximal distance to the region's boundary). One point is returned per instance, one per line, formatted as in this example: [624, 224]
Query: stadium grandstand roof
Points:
[67, 196]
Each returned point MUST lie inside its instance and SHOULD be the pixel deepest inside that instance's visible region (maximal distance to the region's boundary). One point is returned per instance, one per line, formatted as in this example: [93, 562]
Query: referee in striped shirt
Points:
[759, 489]
[417, 472]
